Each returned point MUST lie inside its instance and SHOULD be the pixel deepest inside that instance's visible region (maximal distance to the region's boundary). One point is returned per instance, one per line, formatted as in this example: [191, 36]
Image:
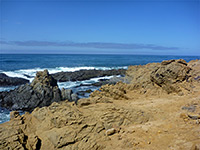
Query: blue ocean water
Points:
[12, 62]
[21, 65]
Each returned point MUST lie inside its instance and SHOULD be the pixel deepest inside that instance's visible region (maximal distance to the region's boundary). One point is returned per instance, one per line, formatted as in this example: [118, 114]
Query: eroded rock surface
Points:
[148, 113]
[67, 126]
[173, 76]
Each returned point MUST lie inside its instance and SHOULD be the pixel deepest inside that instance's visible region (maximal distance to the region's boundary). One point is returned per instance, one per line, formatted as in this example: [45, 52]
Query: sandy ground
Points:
[169, 126]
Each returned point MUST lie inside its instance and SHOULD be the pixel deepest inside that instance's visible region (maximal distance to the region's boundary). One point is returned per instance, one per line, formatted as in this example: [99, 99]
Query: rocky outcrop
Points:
[41, 92]
[169, 76]
[68, 126]
[86, 74]
[117, 91]
[11, 81]
[120, 116]
[172, 76]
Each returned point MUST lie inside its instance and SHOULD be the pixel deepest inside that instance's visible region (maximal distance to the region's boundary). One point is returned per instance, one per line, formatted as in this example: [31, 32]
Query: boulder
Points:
[110, 131]
[66, 93]
[11, 81]
[41, 92]
[169, 76]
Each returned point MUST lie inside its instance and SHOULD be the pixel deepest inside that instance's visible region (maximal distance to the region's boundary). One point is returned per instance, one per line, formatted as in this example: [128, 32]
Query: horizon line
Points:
[96, 54]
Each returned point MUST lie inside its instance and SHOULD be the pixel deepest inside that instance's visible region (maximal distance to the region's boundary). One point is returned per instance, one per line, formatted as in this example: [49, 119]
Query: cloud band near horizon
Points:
[98, 45]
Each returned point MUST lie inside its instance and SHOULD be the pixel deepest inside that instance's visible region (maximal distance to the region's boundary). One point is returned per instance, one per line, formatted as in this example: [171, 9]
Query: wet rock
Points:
[66, 94]
[86, 74]
[41, 92]
[82, 93]
[11, 81]
[74, 97]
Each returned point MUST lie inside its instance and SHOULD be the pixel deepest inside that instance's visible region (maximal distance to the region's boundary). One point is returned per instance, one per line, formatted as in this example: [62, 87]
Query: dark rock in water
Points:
[82, 93]
[28, 76]
[86, 74]
[41, 92]
[66, 94]
[112, 80]
[74, 97]
[11, 81]
[81, 85]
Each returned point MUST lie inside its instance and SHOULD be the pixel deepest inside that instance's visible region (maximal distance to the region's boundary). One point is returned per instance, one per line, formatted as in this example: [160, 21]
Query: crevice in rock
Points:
[24, 142]
[39, 144]
[68, 143]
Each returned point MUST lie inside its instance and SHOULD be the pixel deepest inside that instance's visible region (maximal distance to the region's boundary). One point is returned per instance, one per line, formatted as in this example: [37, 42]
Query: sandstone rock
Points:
[44, 79]
[83, 124]
[195, 72]
[195, 147]
[166, 62]
[110, 131]
[65, 126]
[194, 116]
[14, 114]
[169, 76]
[117, 91]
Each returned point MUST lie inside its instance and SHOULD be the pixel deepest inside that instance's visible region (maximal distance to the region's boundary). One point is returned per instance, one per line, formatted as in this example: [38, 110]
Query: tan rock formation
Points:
[147, 114]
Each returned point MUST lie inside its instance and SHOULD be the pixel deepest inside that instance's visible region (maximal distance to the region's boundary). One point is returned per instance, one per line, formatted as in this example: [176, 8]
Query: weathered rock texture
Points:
[11, 81]
[173, 76]
[66, 126]
[41, 92]
[86, 74]
[120, 116]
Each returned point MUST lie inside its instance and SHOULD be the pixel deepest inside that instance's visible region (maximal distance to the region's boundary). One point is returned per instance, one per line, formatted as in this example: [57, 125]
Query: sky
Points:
[150, 27]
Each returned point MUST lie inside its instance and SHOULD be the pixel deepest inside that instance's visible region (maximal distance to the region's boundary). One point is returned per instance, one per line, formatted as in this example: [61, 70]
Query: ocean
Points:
[26, 66]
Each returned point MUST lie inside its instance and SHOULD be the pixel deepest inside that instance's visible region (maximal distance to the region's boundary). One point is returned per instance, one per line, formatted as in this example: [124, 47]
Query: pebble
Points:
[110, 131]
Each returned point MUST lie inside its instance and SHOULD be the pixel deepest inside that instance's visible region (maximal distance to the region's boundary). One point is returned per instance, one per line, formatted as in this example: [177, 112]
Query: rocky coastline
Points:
[11, 81]
[42, 91]
[155, 106]
[86, 74]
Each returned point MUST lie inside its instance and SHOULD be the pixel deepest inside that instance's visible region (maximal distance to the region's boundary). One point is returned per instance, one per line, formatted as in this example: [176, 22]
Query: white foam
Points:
[71, 84]
[68, 85]
[31, 72]
[7, 88]
[4, 115]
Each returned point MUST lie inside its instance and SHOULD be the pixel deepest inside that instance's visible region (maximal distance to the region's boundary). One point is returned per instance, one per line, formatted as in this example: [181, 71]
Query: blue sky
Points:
[105, 27]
